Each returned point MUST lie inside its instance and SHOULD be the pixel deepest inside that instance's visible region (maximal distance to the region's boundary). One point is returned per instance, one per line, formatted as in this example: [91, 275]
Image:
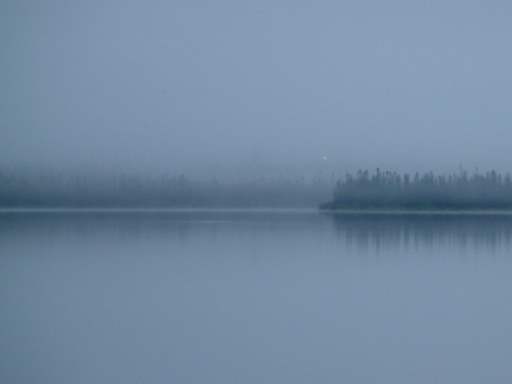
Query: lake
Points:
[255, 297]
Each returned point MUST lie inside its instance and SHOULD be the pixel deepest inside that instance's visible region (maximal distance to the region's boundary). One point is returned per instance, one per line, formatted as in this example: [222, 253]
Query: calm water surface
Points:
[255, 297]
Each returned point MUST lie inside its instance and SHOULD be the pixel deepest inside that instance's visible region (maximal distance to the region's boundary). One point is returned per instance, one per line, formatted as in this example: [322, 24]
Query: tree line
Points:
[127, 190]
[389, 189]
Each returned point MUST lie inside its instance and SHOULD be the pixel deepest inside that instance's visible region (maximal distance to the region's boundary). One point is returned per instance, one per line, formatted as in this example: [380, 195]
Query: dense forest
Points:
[362, 190]
[123, 190]
[392, 190]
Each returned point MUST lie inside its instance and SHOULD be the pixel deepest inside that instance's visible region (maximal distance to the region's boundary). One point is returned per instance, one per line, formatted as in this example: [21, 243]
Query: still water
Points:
[255, 297]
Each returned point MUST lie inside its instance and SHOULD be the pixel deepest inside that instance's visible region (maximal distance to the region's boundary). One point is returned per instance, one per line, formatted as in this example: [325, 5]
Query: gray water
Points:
[255, 297]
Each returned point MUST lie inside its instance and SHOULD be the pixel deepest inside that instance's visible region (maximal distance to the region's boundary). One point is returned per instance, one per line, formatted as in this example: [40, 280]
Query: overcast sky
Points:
[222, 87]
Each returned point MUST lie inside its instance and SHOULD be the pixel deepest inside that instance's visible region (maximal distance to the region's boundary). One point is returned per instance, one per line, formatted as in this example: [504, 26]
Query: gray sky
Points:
[222, 87]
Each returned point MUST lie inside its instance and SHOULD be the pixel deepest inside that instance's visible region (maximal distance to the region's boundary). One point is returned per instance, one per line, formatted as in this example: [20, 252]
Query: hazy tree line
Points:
[487, 190]
[156, 191]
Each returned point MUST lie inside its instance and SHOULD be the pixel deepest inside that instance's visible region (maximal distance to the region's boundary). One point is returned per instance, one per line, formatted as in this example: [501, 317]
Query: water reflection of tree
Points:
[413, 231]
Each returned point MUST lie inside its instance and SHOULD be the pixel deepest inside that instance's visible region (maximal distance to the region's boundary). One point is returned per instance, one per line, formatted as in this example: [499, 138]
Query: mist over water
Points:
[274, 87]
[127, 127]
[254, 296]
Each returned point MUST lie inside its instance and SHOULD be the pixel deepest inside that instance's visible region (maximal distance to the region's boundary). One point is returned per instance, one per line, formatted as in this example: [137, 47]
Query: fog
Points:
[266, 191]
[231, 89]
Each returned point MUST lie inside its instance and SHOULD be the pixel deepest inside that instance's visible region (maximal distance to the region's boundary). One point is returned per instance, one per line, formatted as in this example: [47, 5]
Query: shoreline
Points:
[259, 210]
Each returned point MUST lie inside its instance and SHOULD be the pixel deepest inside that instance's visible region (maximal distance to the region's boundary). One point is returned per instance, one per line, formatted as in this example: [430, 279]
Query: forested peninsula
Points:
[489, 190]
